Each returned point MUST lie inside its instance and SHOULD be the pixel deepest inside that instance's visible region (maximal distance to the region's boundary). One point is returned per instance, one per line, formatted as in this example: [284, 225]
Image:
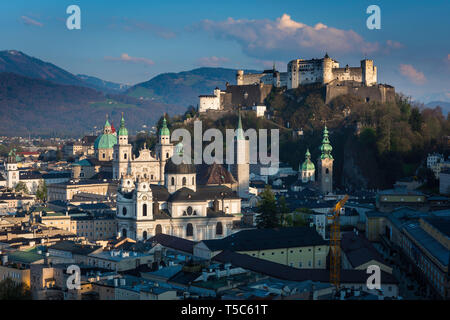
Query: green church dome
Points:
[105, 141]
[164, 130]
[122, 130]
[307, 164]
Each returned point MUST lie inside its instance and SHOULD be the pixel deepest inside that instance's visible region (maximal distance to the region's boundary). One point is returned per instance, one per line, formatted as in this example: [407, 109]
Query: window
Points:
[184, 181]
[219, 228]
[144, 235]
[189, 230]
[125, 156]
[124, 211]
[144, 209]
[158, 229]
[167, 155]
[189, 211]
[124, 233]
[173, 181]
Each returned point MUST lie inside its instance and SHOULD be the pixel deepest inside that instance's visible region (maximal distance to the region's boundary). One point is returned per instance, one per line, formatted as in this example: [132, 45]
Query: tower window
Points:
[124, 155]
[124, 211]
[189, 211]
[327, 171]
[144, 235]
[219, 228]
[173, 181]
[167, 155]
[144, 209]
[158, 229]
[189, 230]
[184, 181]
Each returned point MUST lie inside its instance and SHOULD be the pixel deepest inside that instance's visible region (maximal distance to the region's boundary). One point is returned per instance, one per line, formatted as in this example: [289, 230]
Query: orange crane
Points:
[335, 243]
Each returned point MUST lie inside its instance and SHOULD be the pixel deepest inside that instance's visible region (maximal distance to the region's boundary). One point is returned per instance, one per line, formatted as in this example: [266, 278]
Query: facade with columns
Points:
[148, 165]
[177, 207]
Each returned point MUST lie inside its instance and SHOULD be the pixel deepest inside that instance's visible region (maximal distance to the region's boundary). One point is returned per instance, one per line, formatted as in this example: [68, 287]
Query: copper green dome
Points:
[105, 141]
[307, 164]
[164, 130]
[122, 130]
[326, 147]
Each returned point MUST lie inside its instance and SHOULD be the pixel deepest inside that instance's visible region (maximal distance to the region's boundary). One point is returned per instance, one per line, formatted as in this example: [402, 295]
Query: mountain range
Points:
[40, 98]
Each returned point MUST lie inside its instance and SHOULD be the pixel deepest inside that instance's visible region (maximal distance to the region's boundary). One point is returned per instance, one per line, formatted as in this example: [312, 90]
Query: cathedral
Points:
[307, 169]
[155, 195]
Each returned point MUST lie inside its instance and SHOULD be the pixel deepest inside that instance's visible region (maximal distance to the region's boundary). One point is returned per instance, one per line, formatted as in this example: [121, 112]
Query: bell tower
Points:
[11, 170]
[164, 149]
[122, 152]
[325, 165]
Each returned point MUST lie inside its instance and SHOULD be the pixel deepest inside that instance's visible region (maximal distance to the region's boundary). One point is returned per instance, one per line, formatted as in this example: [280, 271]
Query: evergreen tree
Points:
[21, 187]
[268, 210]
[41, 192]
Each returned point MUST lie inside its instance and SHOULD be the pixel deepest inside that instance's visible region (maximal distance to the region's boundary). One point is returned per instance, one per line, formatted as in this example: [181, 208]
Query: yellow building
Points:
[299, 247]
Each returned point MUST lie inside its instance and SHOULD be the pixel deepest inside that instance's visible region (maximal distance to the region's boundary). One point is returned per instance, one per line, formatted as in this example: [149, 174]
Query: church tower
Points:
[307, 168]
[325, 165]
[241, 167]
[164, 149]
[122, 152]
[12, 173]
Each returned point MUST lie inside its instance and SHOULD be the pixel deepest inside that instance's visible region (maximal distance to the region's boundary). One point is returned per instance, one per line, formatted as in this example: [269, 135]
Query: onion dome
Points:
[122, 130]
[326, 147]
[164, 130]
[307, 164]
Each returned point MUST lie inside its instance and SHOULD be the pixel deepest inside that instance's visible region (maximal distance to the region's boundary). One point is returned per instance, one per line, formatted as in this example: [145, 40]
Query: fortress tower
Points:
[240, 77]
[327, 69]
[325, 165]
[369, 72]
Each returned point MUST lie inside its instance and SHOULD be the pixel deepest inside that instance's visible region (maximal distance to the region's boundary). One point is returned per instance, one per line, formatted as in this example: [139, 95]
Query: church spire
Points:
[326, 147]
[164, 130]
[240, 131]
[122, 130]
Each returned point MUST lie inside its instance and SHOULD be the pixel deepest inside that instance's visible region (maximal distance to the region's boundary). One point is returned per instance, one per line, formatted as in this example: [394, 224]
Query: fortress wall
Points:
[378, 93]
[256, 94]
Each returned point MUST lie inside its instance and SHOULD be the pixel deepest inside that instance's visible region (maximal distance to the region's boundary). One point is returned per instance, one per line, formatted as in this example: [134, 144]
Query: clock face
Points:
[144, 198]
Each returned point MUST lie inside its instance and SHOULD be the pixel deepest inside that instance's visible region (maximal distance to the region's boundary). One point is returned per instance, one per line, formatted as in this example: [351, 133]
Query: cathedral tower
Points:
[325, 165]
[164, 149]
[122, 152]
[12, 173]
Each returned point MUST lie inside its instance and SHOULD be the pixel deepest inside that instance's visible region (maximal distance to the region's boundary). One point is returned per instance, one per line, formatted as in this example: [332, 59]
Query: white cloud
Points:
[412, 74]
[284, 36]
[212, 61]
[127, 58]
[31, 22]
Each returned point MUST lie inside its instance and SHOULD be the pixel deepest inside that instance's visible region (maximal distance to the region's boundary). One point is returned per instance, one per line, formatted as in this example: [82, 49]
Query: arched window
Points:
[144, 209]
[173, 181]
[189, 230]
[124, 211]
[125, 156]
[144, 235]
[327, 171]
[219, 228]
[189, 211]
[158, 229]
[167, 155]
[124, 233]
[184, 181]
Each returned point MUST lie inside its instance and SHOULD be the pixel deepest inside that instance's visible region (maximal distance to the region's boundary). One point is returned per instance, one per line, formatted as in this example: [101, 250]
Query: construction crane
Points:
[335, 243]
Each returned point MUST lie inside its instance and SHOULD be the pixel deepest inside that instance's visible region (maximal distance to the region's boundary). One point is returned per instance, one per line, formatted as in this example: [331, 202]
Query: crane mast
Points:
[335, 243]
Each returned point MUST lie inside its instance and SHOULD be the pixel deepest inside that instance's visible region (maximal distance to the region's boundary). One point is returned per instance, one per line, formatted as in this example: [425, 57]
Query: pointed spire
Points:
[240, 131]
[164, 130]
[326, 147]
[107, 124]
[122, 130]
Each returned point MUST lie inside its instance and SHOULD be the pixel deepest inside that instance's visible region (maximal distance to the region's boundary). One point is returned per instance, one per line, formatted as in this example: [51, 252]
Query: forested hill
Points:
[374, 144]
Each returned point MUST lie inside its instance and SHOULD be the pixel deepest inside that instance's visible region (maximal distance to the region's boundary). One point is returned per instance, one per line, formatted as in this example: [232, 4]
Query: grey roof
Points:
[440, 223]
[203, 193]
[263, 239]
[74, 248]
[359, 250]
[436, 249]
[281, 271]
[176, 243]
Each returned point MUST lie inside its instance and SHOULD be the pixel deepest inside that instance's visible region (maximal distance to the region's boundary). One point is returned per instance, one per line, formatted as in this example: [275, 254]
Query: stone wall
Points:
[379, 93]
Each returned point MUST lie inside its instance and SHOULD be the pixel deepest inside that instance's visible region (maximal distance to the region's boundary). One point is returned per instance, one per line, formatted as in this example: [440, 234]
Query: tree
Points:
[11, 290]
[41, 192]
[268, 210]
[21, 187]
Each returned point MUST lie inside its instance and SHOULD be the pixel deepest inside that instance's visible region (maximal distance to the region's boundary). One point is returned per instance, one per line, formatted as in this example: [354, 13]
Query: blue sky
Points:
[132, 41]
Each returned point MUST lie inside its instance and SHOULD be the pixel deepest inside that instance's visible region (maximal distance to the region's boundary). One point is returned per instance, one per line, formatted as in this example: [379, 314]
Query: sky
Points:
[133, 41]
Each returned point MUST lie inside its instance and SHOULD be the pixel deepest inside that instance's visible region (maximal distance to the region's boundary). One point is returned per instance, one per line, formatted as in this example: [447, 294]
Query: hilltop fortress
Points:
[252, 88]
